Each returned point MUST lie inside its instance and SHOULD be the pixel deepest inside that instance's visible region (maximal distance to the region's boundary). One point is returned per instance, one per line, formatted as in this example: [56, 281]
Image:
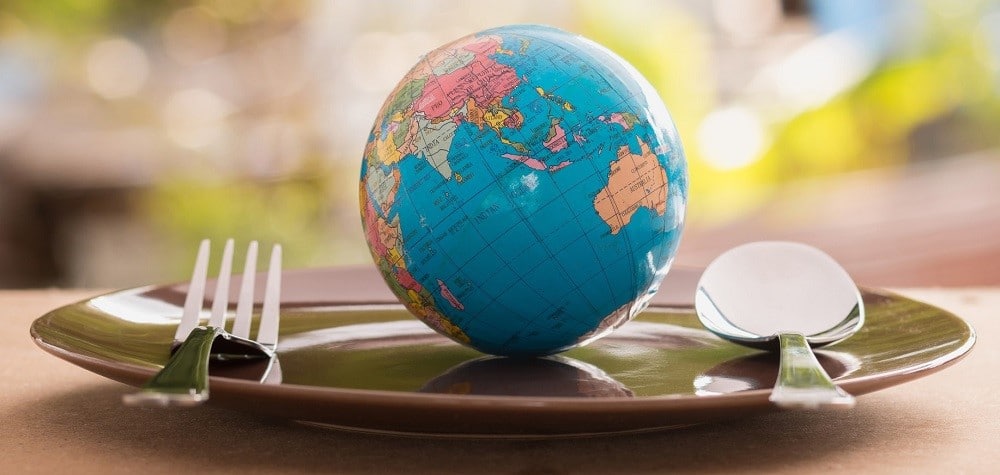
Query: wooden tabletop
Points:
[59, 418]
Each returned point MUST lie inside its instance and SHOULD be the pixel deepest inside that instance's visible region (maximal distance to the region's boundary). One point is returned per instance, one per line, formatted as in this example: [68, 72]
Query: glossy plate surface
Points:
[351, 358]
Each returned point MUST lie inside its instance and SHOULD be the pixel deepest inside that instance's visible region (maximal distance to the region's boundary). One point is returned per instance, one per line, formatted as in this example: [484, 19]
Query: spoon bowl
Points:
[785, 297]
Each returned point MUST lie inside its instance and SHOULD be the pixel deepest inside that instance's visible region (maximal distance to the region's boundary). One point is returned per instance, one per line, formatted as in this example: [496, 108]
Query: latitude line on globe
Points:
[543, 45]
[554, 250]
[493, 299]
[621, 104]
[525, 222]
[548, 251]
[575, 215]
[514, 169]
[565, 68]
[598, 172]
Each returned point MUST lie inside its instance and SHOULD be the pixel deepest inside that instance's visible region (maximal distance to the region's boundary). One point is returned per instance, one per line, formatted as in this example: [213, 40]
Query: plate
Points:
[350, 357]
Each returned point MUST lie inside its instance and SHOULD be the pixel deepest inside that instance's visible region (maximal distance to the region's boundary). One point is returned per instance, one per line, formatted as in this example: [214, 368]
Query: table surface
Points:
[57, 416]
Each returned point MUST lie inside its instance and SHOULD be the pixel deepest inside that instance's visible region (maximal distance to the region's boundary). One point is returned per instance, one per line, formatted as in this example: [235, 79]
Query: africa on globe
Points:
[523, 190]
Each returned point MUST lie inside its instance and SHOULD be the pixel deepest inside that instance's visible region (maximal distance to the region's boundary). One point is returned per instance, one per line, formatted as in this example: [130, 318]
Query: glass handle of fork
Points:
[183, 381]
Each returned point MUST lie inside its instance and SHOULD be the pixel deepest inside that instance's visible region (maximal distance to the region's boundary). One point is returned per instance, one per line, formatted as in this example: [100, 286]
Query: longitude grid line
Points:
[574, 215]
[628, 238]
[549, 251]
[409, 199]
[520, 215]
[533, 231]
[448, 215]
[493, 299]
[597, 172]
[576, 285]
[404, 189]
[438, 249]
[495, 177]
[551, 256]
[666, 176]
[489, 245]
[499, 134]
[621, 101]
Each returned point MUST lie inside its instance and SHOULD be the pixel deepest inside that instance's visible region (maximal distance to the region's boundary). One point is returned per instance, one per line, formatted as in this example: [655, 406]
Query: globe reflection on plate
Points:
[553, 376]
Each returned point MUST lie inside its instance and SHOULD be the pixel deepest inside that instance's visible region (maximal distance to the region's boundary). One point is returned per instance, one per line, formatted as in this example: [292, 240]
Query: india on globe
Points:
[523, 190]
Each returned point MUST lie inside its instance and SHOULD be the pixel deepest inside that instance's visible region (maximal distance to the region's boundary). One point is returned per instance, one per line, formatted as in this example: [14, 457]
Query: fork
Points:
[183, 381]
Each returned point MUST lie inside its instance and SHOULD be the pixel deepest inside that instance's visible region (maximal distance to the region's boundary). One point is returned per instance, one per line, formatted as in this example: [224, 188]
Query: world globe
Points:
[523, 190]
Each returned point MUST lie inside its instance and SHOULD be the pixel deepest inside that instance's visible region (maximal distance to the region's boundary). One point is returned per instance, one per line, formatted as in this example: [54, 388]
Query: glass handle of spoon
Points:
[802, 383]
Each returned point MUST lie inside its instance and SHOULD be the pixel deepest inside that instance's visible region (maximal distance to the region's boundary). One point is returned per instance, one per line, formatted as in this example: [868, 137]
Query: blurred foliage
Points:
[681, 74]
[935, 94]
[71, 19]
[943, 78]
[297, 212]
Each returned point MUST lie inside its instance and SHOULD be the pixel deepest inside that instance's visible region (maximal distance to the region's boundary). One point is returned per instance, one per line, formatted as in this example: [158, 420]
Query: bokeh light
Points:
[731, 138]
[146, 125]
[196, 118]
[193, 34]
[116, 68]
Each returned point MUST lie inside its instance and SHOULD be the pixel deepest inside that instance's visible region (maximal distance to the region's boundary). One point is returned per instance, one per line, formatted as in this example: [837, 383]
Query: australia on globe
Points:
[523, 190]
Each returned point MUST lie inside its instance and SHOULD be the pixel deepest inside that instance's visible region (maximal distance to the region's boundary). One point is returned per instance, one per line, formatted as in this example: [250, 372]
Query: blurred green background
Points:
[130, 130]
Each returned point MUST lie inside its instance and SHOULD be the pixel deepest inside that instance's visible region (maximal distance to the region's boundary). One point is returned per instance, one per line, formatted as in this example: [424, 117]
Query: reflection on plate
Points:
[760, 370]
[552, 376]
[351, 358]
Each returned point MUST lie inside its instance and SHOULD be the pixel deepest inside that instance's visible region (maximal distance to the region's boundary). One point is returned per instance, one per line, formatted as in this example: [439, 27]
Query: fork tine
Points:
[244, 306]
[196, 293]
[267, 334]
[221, 301]
[184, 379]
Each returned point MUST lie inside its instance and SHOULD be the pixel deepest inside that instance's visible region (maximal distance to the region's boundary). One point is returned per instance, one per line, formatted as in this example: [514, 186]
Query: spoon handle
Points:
[802, 382]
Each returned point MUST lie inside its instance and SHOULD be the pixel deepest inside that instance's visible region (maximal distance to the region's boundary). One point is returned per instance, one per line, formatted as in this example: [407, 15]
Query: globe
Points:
[523, 190]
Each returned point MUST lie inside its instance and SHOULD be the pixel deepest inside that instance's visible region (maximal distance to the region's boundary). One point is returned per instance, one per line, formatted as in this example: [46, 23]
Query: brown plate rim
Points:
[326, 406]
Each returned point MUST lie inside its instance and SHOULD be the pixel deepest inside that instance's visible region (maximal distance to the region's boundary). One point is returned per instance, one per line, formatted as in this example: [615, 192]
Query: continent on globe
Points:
[635, 181]
[523, 190]
[480, 79]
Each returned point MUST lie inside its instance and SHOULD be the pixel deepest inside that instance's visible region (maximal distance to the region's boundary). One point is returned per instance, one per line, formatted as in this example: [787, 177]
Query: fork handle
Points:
[183, 381]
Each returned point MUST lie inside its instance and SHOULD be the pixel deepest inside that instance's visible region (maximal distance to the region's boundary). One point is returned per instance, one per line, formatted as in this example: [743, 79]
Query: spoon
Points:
[783, 296]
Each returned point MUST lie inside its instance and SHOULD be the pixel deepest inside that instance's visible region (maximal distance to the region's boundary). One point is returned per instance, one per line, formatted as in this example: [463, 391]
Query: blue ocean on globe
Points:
[523, 190]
